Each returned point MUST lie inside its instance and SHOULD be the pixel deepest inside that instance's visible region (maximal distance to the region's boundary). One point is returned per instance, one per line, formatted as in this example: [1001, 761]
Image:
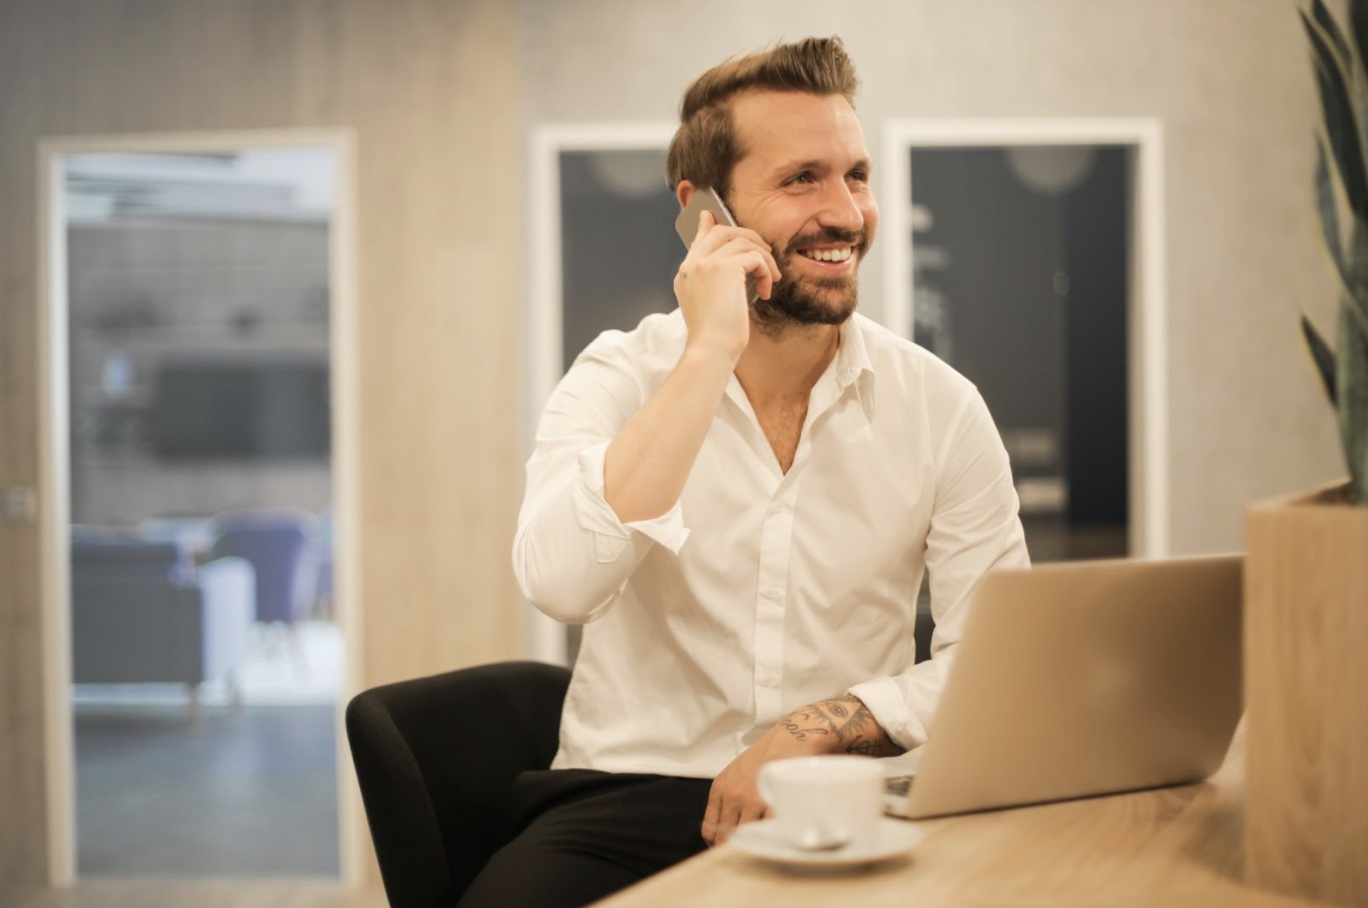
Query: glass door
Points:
[206, 660]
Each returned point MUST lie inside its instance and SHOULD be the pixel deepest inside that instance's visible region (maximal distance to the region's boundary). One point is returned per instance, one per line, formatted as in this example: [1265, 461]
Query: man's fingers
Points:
[727, 809]
[709, 828]
[752, 811]
[749, 240]
[706, 222]
[734, 814]
[764, 281]
[752, 260]
[715, 242]
[729, 817]
[711, 237]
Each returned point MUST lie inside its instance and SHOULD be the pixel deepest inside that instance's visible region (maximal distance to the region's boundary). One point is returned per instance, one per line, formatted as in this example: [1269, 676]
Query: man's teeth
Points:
[828, 255]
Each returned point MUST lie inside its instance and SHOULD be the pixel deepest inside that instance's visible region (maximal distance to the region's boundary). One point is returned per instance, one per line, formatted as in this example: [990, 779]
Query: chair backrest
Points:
[435, 780]
[280, 547]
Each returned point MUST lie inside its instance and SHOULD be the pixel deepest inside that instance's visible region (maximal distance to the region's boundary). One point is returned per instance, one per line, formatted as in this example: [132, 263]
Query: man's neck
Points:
[784, 366]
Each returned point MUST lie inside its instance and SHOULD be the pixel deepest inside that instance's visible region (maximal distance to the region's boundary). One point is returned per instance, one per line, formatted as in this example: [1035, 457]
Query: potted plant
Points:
[1306, 568]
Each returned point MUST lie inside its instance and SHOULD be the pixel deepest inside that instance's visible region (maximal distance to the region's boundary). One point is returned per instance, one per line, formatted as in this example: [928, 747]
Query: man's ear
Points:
[684, 191]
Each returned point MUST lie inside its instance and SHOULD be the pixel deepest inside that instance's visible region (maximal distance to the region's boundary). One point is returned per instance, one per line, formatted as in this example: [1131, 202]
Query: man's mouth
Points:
[828, 255]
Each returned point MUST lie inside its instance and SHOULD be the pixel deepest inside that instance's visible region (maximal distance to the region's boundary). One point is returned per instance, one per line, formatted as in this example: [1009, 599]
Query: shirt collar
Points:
[853, 365]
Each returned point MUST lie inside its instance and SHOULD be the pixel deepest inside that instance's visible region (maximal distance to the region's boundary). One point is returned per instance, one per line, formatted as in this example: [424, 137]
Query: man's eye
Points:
[804, 177]
[859, 176]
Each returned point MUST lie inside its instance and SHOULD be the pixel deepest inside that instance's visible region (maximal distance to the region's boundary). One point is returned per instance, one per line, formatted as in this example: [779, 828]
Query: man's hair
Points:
[705, 147]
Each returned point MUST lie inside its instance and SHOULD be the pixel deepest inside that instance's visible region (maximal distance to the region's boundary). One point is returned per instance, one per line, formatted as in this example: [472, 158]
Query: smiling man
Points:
[739, 501]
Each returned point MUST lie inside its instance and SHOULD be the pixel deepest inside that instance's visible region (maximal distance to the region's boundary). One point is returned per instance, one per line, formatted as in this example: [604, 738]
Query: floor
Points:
[248, 792]
[241, 792]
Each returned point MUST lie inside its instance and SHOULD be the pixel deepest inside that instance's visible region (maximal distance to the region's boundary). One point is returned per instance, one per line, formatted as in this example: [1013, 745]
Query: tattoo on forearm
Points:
[793, 725]
[848, 719]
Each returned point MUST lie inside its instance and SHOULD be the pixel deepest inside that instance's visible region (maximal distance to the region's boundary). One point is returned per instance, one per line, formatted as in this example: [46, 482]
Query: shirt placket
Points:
[776, 543]
[776, 555]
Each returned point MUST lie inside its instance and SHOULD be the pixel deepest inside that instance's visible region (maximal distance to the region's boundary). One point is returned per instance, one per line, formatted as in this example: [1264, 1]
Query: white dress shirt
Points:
[761, 591]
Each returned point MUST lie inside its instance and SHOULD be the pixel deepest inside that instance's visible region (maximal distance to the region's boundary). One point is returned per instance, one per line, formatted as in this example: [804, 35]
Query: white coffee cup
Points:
[818, 802]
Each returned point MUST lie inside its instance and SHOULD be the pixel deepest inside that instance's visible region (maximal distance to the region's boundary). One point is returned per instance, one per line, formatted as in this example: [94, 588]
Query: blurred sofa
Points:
[144, 612]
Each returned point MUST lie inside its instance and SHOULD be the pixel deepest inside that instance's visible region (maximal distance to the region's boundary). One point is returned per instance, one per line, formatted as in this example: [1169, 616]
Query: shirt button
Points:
[770, 593]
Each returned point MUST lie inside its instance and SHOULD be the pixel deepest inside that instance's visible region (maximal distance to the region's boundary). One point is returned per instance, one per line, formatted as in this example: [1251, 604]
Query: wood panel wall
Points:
[431, 89]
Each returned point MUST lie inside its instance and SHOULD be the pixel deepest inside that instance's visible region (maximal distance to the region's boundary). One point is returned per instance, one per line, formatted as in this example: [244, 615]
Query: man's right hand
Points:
[711, 285]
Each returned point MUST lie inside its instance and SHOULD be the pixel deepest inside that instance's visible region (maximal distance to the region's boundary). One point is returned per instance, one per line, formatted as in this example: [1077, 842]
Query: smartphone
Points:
[686, 225]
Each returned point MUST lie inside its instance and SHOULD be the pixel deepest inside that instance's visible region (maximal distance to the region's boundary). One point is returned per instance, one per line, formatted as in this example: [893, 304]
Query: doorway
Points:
[200, 530]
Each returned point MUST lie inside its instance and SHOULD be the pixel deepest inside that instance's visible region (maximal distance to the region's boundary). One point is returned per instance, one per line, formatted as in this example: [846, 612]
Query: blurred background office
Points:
[479, 138]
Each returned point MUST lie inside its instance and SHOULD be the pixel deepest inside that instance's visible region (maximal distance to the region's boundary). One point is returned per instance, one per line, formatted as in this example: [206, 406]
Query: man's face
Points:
[802, 183]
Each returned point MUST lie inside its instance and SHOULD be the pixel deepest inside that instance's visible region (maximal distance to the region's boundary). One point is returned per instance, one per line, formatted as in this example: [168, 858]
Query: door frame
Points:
[55, 486]
[1147, 322]
[546, 636]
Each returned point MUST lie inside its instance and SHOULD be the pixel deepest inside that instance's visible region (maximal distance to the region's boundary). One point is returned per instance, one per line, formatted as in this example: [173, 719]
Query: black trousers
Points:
[576, 836]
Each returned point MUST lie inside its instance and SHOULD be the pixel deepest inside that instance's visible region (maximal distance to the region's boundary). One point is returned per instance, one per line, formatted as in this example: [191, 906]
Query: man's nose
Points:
[839, 208]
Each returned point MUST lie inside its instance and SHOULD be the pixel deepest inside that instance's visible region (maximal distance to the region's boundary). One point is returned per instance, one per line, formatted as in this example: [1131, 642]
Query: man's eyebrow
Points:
[818, 165]
[798, 166]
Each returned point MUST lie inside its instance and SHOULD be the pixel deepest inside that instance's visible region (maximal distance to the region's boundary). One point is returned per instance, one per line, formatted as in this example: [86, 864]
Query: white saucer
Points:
[761, 839]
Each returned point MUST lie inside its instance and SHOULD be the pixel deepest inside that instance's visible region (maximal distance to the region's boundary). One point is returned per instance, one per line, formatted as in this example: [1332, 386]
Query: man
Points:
[739, 501]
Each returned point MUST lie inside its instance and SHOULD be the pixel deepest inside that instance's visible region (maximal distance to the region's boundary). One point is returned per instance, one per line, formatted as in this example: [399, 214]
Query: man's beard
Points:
[805, 301]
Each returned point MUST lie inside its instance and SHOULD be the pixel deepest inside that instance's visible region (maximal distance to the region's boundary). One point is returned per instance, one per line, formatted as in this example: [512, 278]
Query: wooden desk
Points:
[1173, 846]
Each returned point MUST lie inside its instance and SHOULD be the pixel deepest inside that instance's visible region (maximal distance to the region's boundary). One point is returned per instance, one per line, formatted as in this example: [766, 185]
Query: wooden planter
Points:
[1306, 697]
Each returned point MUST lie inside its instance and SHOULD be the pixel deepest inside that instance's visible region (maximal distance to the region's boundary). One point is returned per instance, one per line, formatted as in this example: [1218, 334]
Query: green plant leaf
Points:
[1332, 31]
[1329, 217]
[1341, 124]
[1351, 65]
[1354, 296]
[1351, 380]
[1329, 220]
[1321, 355]
[1358, 25]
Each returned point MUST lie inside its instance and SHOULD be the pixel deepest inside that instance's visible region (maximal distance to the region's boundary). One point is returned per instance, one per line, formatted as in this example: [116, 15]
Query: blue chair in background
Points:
[282, 548]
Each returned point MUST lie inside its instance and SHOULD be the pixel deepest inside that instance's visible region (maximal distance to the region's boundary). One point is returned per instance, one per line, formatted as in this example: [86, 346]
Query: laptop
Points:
[1082, 678]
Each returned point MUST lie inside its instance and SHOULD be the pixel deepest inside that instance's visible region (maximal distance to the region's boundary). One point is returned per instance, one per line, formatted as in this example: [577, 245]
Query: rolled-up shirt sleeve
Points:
[975, 528]
[572, 555]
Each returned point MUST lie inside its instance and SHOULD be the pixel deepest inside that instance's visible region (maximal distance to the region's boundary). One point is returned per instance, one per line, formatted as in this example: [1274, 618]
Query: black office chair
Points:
[436, 757]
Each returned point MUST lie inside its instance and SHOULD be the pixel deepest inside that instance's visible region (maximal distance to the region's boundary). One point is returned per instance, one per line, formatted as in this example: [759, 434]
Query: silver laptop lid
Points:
[1087, 678]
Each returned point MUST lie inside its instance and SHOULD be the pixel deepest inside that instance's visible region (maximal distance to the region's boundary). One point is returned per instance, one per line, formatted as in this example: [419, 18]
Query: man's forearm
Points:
[840, 725]
[649, 461]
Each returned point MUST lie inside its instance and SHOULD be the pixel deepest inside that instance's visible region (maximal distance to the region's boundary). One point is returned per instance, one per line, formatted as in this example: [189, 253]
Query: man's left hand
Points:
[842, 725]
